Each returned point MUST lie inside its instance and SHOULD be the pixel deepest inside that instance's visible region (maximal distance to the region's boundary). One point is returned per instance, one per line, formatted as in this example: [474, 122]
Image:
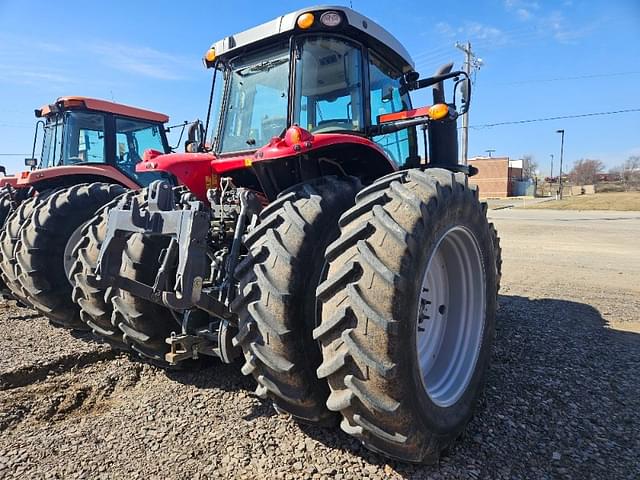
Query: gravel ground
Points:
[561, 400]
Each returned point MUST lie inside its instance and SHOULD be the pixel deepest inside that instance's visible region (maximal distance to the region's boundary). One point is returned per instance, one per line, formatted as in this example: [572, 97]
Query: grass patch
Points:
[622, 201]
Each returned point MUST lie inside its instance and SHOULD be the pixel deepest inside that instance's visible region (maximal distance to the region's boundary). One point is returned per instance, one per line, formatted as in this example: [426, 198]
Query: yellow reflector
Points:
[438, 111]
[210, 56]
[305, 20]
[248, 161]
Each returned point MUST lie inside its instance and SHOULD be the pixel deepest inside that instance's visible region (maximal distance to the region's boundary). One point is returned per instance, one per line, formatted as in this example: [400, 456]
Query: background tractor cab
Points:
[323, 84]
[88, 140]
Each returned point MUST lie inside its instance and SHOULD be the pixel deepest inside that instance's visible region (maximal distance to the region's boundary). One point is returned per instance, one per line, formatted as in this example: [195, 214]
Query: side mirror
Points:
[195, 137]
[465, 90]
[31, 162]
[3, 170]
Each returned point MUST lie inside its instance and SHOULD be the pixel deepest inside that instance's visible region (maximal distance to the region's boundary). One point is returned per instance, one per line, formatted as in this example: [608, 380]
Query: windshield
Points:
[257, 100]
[329, 85]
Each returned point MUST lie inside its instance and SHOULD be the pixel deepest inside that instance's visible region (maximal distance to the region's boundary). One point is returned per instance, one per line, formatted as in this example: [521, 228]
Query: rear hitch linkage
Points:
[188, 228]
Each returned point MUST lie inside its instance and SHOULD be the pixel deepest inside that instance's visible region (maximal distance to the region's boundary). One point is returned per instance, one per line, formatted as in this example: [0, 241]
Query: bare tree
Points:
[585, 171]
[630, 172]
[529, 167]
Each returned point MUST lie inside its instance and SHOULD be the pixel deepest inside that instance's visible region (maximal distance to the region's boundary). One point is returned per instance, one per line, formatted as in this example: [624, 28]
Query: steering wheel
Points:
[332, 125]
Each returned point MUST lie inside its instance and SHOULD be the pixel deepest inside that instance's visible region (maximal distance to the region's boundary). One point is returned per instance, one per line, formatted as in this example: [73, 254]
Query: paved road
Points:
[561, 399]
[589, 256]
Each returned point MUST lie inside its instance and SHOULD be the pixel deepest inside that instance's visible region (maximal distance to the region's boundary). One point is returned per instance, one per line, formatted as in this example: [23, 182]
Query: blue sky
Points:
[541, 59]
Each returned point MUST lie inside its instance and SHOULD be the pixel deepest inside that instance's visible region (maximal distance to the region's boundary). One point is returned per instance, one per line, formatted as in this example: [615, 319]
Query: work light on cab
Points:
[438, 111]
[210, 57]
[305, 20]
[330, 19]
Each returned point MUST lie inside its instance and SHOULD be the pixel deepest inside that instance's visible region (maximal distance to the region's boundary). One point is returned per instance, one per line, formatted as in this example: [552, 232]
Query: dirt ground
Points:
[621, 201]
[561, 399]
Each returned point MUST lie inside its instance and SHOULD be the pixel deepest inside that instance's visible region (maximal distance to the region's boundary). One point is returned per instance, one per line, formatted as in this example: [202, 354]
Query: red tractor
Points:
[90, 149]
[357, 278]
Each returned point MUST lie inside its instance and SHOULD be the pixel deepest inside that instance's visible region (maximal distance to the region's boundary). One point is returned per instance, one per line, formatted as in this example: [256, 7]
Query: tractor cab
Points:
[85, 131]
[325, 70]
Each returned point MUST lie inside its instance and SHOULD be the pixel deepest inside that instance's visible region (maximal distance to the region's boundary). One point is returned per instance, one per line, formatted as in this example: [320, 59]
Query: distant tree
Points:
[585, 171]
[529, 167]
[629, 172]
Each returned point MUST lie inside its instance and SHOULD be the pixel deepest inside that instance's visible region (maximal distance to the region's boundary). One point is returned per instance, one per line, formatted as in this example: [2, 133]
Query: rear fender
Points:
[59, 176]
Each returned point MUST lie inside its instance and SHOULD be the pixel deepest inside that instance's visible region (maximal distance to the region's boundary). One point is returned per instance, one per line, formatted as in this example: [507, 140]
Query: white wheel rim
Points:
[451, 316]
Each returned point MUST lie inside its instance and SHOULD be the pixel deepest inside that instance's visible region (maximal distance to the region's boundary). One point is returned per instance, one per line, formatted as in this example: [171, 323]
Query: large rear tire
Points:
[5, 211]
[93, 299]
[145, 325]
[9, 239]
[408, 313]
[5, 206]
[43, 253]
[276, 305]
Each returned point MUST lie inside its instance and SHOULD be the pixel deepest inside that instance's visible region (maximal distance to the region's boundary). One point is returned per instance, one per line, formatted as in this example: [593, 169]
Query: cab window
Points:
[133, 137]
[384, 82]
[84, 138]
[329, 85]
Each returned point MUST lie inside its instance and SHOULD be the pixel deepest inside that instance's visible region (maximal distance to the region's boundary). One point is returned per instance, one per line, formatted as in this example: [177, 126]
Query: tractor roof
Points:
[86, 103]
[353, 24]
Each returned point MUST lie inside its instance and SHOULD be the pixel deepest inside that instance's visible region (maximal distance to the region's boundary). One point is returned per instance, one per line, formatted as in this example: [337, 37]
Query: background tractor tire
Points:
[145, 325]
[5, 206]
[46, 239]
[94, 301]
[5, 210]
[497, 253]
[411, 236]
[8, 240]
[276, 304]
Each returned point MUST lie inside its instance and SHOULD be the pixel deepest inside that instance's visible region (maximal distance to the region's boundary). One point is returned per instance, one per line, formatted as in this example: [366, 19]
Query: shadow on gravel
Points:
[217, 375]
[562, 399]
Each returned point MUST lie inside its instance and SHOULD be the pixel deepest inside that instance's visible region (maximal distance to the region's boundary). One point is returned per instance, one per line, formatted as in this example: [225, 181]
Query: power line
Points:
[548, 119]
[577, 77]
[13, 154]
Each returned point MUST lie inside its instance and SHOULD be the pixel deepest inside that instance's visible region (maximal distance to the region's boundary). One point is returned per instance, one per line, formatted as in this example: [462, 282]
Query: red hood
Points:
[196, 171]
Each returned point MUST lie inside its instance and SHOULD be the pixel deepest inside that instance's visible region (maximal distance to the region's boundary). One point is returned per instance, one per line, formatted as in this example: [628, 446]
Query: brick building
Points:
[496, 175]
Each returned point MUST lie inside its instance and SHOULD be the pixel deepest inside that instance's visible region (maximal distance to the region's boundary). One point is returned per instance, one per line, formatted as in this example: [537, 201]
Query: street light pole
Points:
[551, 174]
[561, 132]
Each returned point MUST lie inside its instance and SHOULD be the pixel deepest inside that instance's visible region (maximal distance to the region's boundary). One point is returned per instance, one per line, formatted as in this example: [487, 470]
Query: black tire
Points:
[369, 307]
[276, 306]
[5, 206]
[40, 251]
[5, 211]
[94, 301]
[145, 325]
[497, 249]
[8, 240]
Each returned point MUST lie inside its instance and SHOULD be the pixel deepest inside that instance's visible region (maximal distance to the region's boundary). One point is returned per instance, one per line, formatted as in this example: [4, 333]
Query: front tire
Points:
[276, 304]
[408, 313]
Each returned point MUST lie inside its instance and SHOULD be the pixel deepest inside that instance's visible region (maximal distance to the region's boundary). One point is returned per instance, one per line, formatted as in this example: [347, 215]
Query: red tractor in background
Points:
[357, 278]
[90, 149]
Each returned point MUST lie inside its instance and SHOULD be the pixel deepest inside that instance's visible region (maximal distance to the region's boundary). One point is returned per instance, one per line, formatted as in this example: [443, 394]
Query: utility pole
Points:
[471, 62]
[561, 132]
[551, 174]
